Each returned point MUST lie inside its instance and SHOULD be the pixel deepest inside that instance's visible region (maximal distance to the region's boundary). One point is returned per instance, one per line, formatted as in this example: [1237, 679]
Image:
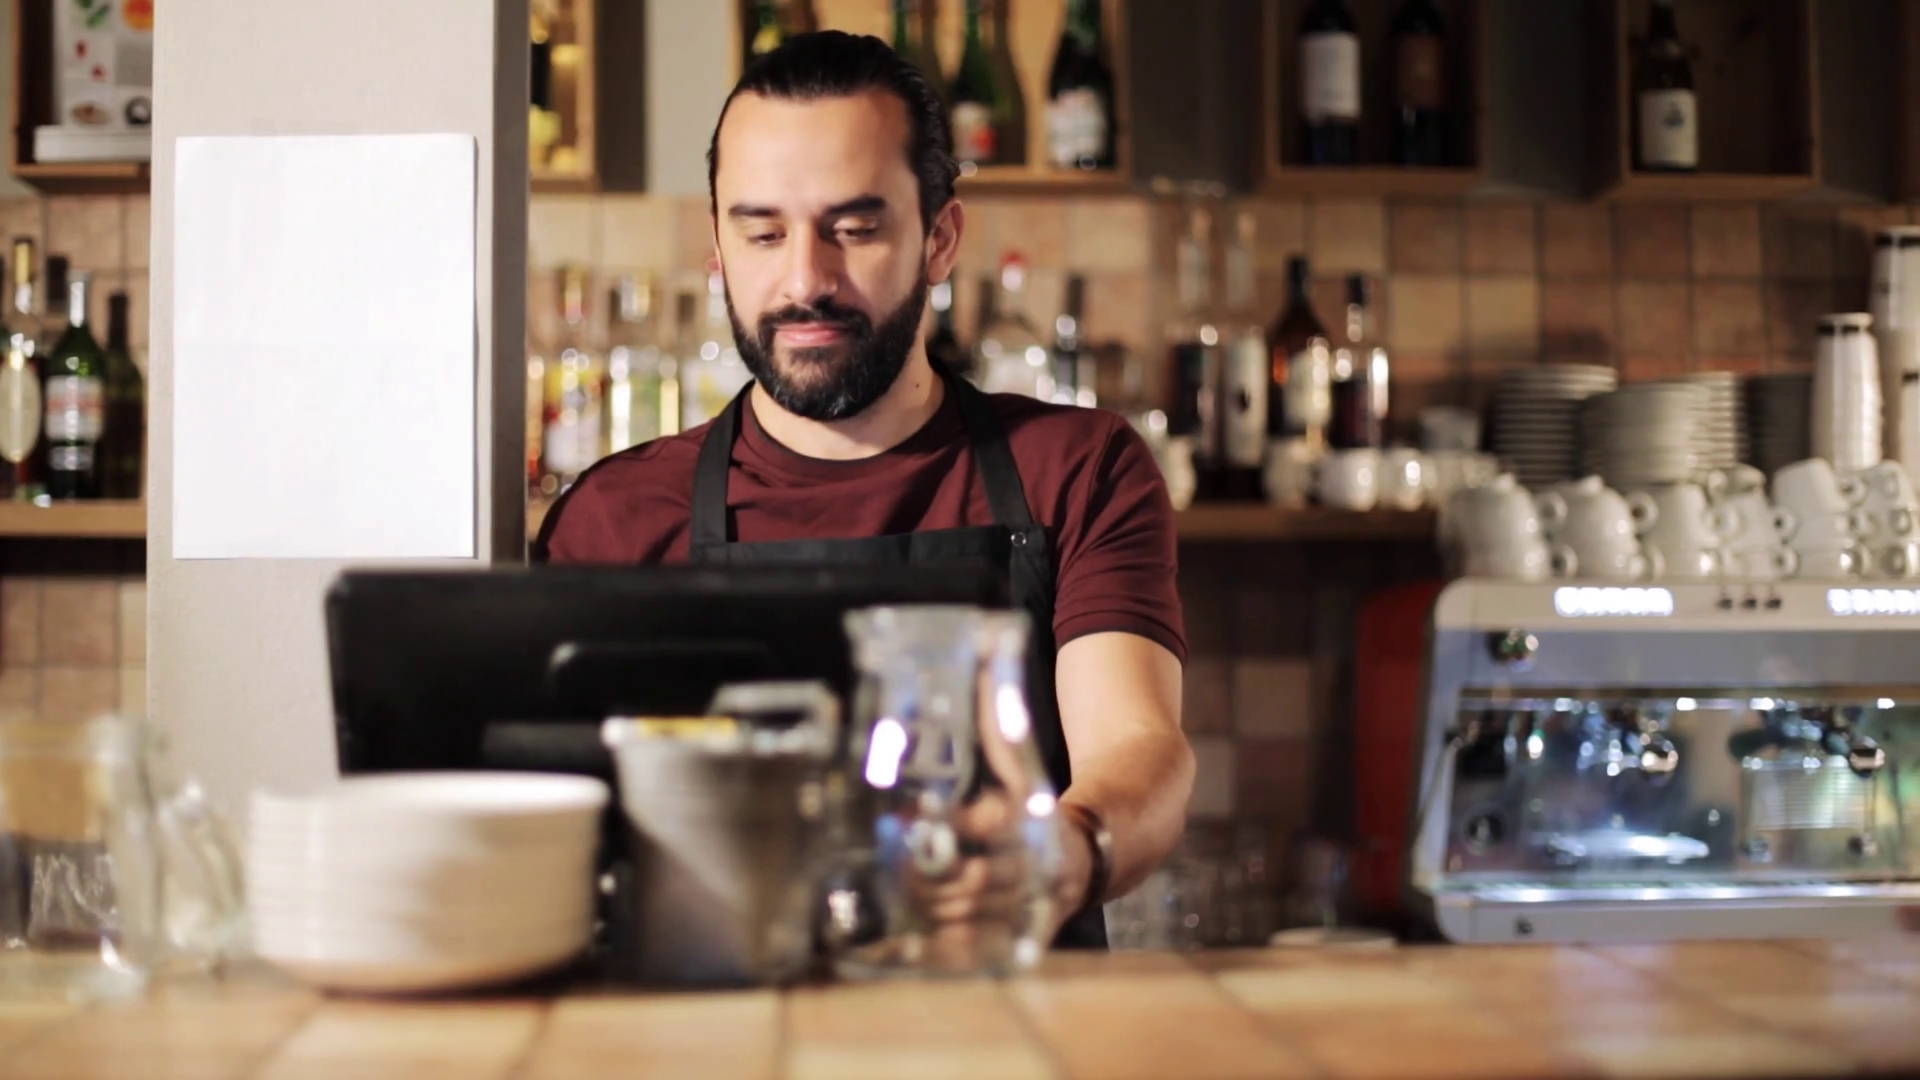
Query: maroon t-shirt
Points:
[1089, 479]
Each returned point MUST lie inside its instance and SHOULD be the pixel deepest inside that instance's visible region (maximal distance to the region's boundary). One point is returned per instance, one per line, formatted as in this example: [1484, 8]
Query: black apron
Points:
[1014, 542]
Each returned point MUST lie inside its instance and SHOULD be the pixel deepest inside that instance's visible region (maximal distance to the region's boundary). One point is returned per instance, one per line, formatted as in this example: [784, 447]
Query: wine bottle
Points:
[1195, 355]
[769, 30]
[910, 43]
[1666, 113]
[1080, 94]
[123, 445]
[1244, 371]
[1355, 421]
[943, 344]
[1072, 364]
[1012, 358]
[1329, 84]
[634, 363]
[976, 135]
[1010, 112]
[75, 393]
[1298, 400]
[21, 411]
[575, 385]
[1420, 85]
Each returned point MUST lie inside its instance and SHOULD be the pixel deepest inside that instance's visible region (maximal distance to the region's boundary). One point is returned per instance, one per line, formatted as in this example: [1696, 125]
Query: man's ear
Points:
[943, 243]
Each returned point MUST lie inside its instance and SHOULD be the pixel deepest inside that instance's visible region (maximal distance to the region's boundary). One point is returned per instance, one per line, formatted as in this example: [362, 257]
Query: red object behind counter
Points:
[1390, 663]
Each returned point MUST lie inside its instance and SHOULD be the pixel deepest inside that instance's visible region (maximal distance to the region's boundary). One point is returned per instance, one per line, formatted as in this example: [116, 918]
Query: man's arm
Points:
[1120, 707]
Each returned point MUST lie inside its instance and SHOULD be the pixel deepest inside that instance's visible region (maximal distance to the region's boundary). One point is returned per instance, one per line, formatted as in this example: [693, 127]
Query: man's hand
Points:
[993, 878]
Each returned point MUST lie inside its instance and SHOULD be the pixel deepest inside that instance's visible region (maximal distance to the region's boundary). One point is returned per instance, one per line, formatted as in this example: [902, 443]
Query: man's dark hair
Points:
[832, 63]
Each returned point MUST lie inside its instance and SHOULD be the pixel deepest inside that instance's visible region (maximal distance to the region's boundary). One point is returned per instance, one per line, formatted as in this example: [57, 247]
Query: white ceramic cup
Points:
[1687, 518]
[1287, 475]
[1899, 562]
[1766, 564]
[1686, 564]
[1829, 531]
[1756, 524]
[1405, 478]
[1349, 479]
[1496, 515]
[1721, 484]
[1811, 489]
[1528, 560]
[1832, 564]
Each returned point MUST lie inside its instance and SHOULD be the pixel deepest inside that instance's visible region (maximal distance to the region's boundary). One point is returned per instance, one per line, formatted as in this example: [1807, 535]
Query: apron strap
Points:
[709, 510]
[988, 437]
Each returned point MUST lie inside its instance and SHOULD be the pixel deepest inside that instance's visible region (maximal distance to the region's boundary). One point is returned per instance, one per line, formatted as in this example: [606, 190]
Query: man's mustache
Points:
[852, 320]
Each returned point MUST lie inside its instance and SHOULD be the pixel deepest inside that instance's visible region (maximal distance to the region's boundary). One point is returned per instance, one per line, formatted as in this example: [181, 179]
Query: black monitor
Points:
[516, 668]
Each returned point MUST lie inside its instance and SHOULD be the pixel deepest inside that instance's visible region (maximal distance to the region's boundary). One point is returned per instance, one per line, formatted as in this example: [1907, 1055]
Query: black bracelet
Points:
[1100, 841]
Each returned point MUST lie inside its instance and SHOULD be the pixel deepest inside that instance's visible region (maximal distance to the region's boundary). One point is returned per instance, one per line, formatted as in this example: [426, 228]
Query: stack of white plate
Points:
[1720, 419]
[421, 882]
[1536, 419]
[1779, 420]
[1642, 435]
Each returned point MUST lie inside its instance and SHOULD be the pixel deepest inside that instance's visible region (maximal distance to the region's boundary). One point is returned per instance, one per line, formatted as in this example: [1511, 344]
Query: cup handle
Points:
[1860, 523]
[1788, 560]
[1784, 522]
[1645, 511]
[1895, 562]
[1551, 508]
[1900, 521]
[1716, 482]
[1565, 563]
[1722, 521]
[1656, 563]
[196, 830]
[1861, 561]
[1852, 488]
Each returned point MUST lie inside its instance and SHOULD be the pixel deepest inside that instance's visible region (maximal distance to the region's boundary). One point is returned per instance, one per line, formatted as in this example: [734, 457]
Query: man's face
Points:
[827, 264]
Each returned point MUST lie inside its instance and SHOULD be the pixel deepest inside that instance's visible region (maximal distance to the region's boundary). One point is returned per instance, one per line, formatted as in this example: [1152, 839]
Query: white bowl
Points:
[491, 805]
[359, 973]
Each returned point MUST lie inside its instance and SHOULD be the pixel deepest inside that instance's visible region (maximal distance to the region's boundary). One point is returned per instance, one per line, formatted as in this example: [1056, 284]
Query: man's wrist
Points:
[1093, 830]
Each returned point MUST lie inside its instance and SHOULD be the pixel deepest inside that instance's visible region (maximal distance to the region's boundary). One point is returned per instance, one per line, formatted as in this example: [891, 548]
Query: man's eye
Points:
[858, 232]
[763, 239]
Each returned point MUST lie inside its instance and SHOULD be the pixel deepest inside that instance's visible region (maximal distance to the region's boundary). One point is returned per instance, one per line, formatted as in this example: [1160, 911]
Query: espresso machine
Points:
[1665, 762]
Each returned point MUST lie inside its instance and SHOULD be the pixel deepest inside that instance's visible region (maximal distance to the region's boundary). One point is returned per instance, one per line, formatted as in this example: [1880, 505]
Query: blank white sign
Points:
[324, 347]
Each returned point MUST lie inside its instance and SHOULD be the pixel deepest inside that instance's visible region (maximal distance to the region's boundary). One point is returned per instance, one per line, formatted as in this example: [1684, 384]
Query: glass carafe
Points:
[959, 813]
[108, 871]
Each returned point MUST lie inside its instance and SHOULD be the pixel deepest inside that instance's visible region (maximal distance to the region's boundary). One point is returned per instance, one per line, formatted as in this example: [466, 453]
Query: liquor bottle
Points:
[987, 289]
[976, 99]
[75, 393]
[53, 321]
[1080, 94]
[911, 42]
[1010, 115]
[635, 368]
[1073, 368]
[1420, 85]
[123, 445]
[769, 30]
[1668, 137]
[573, 394]
[1356, 420]
[543, 123]
[1013, 360]
[1195, 355]
[943, 344]
[1244, 374]
[1299, 395]
[1329, 85]
[21, 411]
[717, 375]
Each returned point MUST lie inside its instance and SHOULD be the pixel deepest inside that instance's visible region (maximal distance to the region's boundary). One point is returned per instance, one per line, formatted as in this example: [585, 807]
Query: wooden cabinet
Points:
[1756, 81]
[1376, 174]
[1031, 29]
[33, 105]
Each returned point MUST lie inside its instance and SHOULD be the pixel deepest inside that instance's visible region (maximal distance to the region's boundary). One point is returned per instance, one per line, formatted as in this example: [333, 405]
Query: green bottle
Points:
[976, 99]
[123, 444]
[912, 44]
[769, 31]
[75, 394]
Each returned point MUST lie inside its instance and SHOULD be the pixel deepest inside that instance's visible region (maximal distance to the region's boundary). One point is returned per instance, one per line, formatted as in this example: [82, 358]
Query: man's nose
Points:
[813, 269]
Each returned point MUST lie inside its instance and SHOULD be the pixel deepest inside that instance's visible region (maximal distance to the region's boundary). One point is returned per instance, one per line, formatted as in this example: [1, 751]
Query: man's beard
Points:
[838, 381]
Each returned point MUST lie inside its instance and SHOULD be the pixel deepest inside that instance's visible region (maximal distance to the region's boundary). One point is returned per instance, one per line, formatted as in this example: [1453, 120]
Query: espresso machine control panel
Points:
[1632, 763]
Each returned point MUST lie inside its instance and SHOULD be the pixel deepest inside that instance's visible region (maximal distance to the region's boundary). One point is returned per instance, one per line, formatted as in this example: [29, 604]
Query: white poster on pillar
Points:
[324, 347]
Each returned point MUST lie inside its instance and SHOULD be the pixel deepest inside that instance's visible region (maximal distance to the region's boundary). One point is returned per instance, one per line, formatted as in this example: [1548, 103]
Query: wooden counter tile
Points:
[1755, 1054]
[210, 1035]
[889, 1030]
[1729, 967]
[1336, 989]
[370, 1040]
[1150, 1027]
[691, 1036]
[20, 1020]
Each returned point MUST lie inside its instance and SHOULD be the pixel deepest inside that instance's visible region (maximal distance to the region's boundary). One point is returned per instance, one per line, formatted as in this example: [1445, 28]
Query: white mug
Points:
[1349, 479]
[1287, 474]
[1830, 564]
[1762, 564]
[1887, 484]
[1405, 478]
[1756, 524]
[1686, 564]
[1811, 488]
[1687, 518]
[1496, 515]
[1735, 480]
[1828, 531]
[1528, 560]
[1899, 562]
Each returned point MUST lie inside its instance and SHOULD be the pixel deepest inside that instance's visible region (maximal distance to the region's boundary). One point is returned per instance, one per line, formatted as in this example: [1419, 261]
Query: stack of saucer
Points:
[1720, 418]
[1779, 420]
[1536, 418]
[417, 882]
[1643, 435]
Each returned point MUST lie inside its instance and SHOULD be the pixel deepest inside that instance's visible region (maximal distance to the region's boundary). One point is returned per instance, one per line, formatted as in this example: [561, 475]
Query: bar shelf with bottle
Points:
[1706, 99]
[1373, 97]
[1066, 97]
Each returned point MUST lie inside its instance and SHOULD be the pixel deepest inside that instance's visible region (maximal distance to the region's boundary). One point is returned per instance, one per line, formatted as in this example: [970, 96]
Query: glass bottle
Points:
[1073, 369]
[1013, 359]
[1010, 114]
[1666, 114]
[123, 447]
[976, 99]
[717, 375]
[769, 31]
[911, 43]
[943, 344]
[1329, 84]
[635, 366]
[944, 747]
[75, 392]
[1080, 93]
[21, 404]
[1355, 423]
[1195, 355]
[1300, 395]
[1420, 85]
[573, 394]
[1244, 371]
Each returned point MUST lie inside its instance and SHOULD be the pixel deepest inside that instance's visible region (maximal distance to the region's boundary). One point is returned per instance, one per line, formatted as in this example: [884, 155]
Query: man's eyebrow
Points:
[864, 204]
[742, 211]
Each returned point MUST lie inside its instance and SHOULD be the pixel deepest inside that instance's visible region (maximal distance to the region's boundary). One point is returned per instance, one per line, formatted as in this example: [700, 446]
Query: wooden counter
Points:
[1729, 1009]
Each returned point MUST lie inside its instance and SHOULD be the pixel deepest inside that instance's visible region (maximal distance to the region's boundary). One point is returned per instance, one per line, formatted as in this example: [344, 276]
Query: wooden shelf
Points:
[1257, 522]
[1754, 76]
[1039, 180]
[86, 177]
[1285, 175]
[105, 520]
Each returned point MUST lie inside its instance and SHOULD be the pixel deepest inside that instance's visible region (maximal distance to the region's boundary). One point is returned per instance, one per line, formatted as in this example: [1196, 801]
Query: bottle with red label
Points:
[76, 402]
[977, 106]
